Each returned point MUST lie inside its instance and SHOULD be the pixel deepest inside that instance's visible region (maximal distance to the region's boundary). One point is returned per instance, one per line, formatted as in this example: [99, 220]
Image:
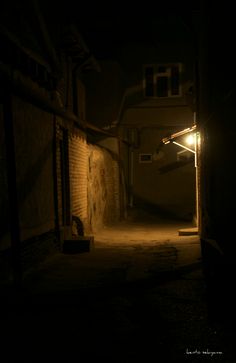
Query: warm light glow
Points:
[190, 139]
[198, 139]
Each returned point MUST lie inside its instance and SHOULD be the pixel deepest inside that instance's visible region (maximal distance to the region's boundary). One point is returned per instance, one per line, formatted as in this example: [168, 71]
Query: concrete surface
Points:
[138, 296]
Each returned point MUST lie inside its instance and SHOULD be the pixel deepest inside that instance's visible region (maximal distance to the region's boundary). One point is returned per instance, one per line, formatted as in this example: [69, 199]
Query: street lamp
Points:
[190, 138]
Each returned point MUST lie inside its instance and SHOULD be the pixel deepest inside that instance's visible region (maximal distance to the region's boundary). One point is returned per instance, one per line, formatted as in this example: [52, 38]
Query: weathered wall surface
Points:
[171, 190]
[103, 188]
[34, 167]
[176, 116]
[5, 242]
[4, 212]
[33, 137]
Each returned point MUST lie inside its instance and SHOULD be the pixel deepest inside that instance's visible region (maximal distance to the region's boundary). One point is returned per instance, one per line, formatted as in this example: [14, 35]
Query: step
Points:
[78, 244]
[188, 231]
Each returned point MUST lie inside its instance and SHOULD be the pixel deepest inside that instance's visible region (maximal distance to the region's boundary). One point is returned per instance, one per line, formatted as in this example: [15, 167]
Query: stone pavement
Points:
[138, 296]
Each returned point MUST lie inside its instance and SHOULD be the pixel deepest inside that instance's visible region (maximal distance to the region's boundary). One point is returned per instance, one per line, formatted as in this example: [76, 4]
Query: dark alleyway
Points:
[138, 296]
[87, 98]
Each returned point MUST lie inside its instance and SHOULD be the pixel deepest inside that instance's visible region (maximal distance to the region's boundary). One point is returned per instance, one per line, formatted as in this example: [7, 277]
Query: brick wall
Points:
[78, 159]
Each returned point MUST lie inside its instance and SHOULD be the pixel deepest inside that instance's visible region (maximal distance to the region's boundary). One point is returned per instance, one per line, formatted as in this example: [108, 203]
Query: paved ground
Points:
[138, 296]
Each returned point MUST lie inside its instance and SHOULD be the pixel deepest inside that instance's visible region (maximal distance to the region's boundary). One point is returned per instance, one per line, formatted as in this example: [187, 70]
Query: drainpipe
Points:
[55, 180]
[75, 71]
[197, 176]
[131, 168]
[12, 188]
[197, 138]
[75, 90]
[196, 171]
[47, 43]
[197, 191]
[26, 89]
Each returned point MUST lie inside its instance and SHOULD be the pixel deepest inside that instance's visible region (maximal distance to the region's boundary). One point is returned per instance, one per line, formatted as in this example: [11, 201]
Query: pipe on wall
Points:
[28, 90]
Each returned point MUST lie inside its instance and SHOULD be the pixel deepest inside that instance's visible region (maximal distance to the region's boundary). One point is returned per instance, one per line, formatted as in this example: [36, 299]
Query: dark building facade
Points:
[56, 183]
[216, 120]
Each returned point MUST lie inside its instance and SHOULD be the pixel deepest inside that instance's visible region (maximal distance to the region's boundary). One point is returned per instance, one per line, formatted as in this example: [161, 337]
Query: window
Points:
[162, 80]
[145, 158]
[149, 84]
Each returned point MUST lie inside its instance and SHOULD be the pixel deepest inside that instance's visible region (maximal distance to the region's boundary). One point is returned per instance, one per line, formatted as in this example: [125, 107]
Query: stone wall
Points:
[103, 187]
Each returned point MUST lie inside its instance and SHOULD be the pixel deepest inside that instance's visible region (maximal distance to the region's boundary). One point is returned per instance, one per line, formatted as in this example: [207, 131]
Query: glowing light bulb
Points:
[190, 139]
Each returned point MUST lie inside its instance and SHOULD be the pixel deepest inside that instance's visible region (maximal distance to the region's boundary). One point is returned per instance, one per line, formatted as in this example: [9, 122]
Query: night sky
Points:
[105, 27]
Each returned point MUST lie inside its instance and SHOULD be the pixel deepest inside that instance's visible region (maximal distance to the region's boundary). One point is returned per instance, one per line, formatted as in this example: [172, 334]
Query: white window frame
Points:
[157, 75]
